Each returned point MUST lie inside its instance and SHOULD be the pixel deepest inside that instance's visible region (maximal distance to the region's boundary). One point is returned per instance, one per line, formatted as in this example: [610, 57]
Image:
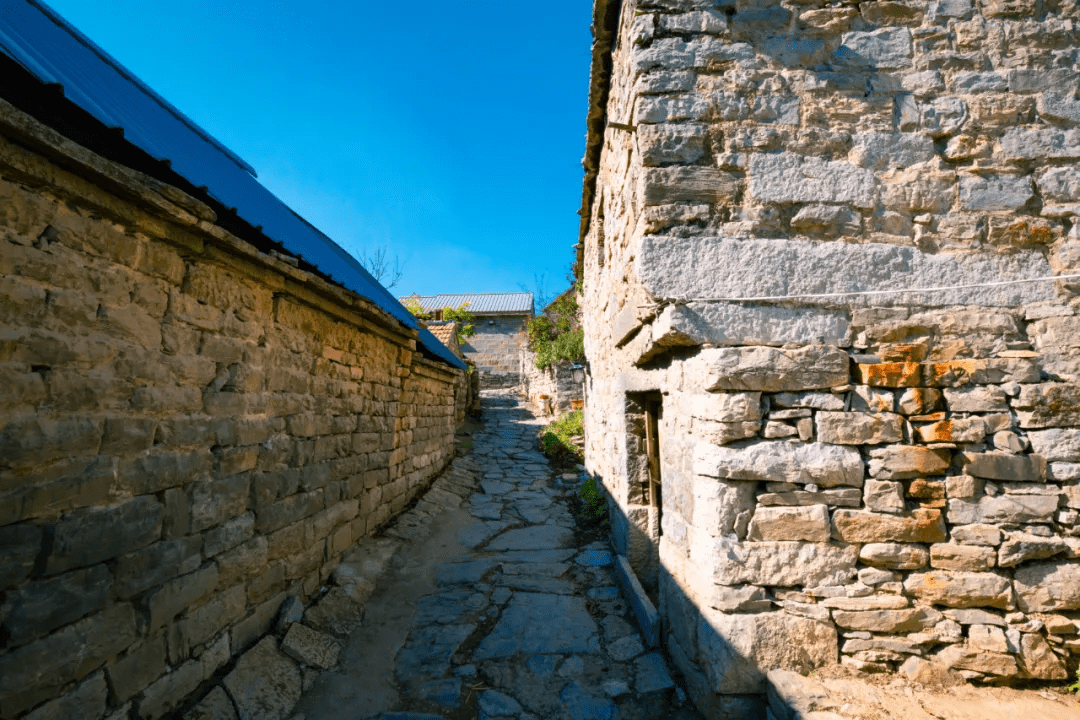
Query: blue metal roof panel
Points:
[37, 38]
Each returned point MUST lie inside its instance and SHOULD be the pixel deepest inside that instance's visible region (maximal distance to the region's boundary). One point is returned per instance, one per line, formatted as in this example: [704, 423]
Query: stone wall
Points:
[495, 349]
[190, 431]
[845, 478]
[550, 389]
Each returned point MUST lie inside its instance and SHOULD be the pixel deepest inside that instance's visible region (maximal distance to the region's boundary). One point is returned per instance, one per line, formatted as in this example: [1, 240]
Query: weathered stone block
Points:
[156, 564]
[1001, 466]
[960, 430]
[1048, 586]
[961, 589]
[726, 407]
[38, 440]
[215, 706]
[21, 544]
[905, 620]
[1002, 192]
[809, 523]
[722, 507]
[826, 466]
[770, 369]
[985, 398]
[849, 428]
[840, 497]
[1038, 660]
[1029, 143]
[883, 496]
[42, 606]
[265, 683]
[986, 535]
[737, 649]
[213, 501]
[177, 595]
[91, 535]
[905, 462]
[882, 151]
[310, 647]
[950, 556]
[1049, 405]
[229, 535]
[885, 49]
[139, 667]
[661, 186]
[890, 374]
[919, 401]
[920, 526]
[964, 658]
[782, 564]
[793, 178]
[173, 688]
[36, 672]
[894, 556]
[1020, 548]
[1002, 509]
[667, 143]
[85, 701]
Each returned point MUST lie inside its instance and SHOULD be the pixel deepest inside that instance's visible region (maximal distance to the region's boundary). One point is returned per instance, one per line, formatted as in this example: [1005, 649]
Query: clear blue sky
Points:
[450, 133]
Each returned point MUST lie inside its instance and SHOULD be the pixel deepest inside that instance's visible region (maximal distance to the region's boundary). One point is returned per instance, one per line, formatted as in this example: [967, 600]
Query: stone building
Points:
[500, 331]
[811, 460]
[204, 402]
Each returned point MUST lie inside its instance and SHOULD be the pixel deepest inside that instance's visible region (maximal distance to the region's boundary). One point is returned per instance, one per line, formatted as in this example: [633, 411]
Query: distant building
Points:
[500, 330]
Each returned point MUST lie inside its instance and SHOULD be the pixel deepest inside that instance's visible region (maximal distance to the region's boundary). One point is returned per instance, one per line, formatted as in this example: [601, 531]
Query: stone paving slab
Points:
[523, 622]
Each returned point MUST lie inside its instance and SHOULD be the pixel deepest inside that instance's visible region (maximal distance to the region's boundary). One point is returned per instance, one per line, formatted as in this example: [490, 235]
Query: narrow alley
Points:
[495, 604]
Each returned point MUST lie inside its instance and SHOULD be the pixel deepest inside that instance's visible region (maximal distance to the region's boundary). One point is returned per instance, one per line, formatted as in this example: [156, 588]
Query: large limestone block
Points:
[958, 430]
[986, 398]
[809, 523]
[1048, 586]
[1021, 548]
[265, 683]
[1002, 509]
[780, 564]
[722, 507]
[920, 526]
[697, 267]
[961, 589]
[793, 178]
[823, 465]
[1002, 192]
[1001, 466]
[1031, 143]
[720, 324]
[905, 462]
[310, 647]
[880, 151]
[771, 369]
[1049, 405]
[953, 556]
[886, 49]
[737, 650]
[853, 428]
[1056, 445]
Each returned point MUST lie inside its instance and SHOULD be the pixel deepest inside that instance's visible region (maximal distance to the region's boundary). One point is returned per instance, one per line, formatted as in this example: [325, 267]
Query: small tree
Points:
[460, 315]
[385, 271]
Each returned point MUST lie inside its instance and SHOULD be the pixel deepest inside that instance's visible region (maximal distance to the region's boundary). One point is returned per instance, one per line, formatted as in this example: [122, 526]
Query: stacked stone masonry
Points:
[550, 390]
[190, 431]
[495, 349]
[844, 478]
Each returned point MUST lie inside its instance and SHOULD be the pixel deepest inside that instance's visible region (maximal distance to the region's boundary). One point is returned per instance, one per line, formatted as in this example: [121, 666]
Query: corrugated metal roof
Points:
[479, 303]
[37, 38]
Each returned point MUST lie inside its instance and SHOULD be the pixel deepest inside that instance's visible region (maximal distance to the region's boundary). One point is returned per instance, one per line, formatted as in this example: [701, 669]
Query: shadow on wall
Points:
[723, 657]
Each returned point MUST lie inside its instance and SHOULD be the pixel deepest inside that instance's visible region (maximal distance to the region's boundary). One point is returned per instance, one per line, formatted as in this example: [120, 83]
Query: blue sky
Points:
[450, 133]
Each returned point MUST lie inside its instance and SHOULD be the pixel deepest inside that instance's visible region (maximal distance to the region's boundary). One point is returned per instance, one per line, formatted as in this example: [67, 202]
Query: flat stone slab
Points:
[496, 487]
[540, 624]
[534, 556]
[495, 704]
[458, 573]
[445, 692]
[537, 537]
[595, 558]
[476, 535]
[428, 650]
[528, 583]
[583, 706]
[448, 607]
[651, 674]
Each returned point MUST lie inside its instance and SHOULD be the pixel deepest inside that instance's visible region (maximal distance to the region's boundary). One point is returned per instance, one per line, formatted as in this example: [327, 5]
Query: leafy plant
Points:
[1075, 687]
[557, 438]
[555, 336]
[593, 505]
[464, 319]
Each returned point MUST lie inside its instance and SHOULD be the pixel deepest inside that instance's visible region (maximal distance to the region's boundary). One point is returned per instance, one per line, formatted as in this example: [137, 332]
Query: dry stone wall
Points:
[549, 390]
[495, 349]
[190, 431]
[845, 478]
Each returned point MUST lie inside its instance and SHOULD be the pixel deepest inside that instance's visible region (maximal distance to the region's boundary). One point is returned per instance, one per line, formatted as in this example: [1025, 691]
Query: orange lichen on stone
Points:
[903, 352]
[952, 373]
[926, 489]
[891, 375]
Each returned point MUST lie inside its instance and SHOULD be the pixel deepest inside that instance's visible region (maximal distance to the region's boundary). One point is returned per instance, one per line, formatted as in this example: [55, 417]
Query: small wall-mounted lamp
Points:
[577, 372]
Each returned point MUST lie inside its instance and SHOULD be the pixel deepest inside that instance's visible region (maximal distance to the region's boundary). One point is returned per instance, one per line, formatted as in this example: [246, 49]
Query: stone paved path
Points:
[491, 610]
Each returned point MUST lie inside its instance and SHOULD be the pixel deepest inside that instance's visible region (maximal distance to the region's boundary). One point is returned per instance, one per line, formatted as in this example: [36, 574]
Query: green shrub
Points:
[593, 504]
[556, 438]
[554, 337]
[1075, 687]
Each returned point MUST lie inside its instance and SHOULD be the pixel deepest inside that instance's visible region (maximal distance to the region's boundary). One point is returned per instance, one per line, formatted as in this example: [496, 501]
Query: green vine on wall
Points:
[556, 335]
